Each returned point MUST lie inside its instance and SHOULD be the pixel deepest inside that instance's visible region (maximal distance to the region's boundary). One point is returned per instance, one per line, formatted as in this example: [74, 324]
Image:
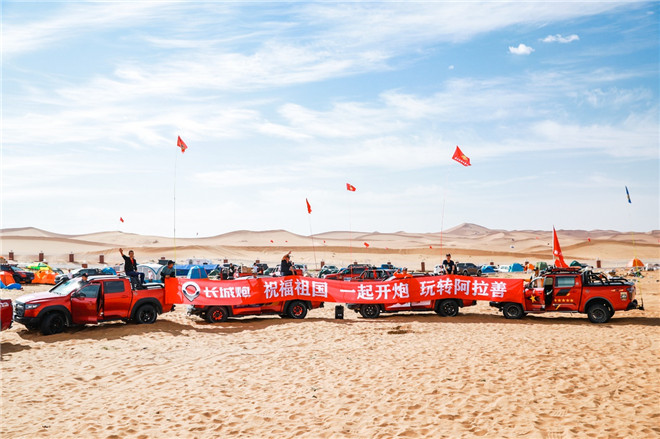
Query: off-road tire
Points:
[146, 314]
[447, 308]
[297, 309]
[598, 313]
[513, 311]
[217, 314]
[370, 311]
[53, 323]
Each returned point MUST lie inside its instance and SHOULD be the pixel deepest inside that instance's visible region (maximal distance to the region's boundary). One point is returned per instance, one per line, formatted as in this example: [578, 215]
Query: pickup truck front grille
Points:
[19, 309]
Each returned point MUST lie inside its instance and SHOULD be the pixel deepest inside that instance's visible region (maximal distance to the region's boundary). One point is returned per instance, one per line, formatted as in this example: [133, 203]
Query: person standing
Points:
[286, 265]
[449, 265]
[130, 265]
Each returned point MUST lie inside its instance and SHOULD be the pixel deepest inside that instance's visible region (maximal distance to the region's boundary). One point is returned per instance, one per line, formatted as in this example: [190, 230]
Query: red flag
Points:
[366, 244]
[271, 240]
[121, 219]
[181, 144]
[309, 208]
[460, 157]
[556, 251]
[350, 187]
[430, 246]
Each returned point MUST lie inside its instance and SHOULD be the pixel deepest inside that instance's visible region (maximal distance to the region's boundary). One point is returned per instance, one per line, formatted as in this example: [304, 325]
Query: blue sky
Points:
[556, 104]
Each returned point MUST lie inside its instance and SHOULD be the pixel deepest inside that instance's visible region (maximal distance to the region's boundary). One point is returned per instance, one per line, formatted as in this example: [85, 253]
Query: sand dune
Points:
[467, 242]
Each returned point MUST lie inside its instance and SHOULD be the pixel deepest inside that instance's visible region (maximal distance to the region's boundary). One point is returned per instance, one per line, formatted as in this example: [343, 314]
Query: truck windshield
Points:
[67, 287]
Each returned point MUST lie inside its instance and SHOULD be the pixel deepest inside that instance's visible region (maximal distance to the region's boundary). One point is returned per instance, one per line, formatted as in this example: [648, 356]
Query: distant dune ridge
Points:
[467, 243]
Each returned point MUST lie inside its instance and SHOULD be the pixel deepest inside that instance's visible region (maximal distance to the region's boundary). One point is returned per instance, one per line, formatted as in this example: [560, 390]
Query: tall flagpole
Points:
[311, 235]
[174, 207]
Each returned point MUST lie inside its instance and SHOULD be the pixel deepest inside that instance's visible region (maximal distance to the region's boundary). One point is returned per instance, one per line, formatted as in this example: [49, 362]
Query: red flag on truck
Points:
[556, 251]
[460, 157]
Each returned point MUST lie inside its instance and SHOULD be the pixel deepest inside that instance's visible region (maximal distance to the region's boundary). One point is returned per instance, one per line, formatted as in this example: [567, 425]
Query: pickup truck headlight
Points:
[624, 295]
[31, 305]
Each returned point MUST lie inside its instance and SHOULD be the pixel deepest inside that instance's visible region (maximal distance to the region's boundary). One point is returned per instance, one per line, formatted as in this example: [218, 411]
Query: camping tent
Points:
[488, 269]
[197, 272]
[541, 266]
[516, 267]
[151, 272]
[635, 263]
[575, 264]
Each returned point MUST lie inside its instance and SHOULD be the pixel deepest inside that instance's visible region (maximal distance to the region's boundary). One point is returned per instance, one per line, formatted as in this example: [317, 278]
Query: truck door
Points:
[566, 293]
[84, 304]
[116, 298]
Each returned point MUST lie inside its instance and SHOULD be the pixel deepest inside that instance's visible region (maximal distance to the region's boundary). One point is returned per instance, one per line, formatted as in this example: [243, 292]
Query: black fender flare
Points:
[54, 308]
[598, 299]
[151, 300]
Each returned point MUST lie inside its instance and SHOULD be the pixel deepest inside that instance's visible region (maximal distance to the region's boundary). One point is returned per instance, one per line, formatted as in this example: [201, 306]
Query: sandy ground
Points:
[402, 375]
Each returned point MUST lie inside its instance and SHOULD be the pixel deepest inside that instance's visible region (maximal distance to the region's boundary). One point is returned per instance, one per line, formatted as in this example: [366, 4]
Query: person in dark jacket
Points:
[286, 265]
[449, 265]
[130, 265]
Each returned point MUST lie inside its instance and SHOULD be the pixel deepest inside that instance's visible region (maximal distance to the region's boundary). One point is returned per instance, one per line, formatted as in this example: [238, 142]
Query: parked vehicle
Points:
[20, 276]
[353, 270]
[101, 299]
[373, 274]
[328, 269]
[573, 290]
[445, 307]
[468, 269]
[503, 268]
[295, 309]
[5, 314]
[77, 273]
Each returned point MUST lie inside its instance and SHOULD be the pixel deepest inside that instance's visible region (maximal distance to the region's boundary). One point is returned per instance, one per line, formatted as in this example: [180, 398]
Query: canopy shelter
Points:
[635, 263]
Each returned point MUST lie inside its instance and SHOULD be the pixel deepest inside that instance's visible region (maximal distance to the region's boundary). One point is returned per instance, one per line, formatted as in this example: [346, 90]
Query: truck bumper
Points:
[30, 322]
[497, 305]
[635, 305]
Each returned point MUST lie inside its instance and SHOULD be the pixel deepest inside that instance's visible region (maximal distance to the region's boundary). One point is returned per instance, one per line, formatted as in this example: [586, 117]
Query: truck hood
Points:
[37, 297]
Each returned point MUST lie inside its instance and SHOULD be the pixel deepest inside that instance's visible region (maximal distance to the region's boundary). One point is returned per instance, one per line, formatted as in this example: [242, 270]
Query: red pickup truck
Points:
[5, 314]
[573, 290]
[100, 299]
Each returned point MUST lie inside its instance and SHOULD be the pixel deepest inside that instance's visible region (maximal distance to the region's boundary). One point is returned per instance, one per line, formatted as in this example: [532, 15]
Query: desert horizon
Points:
[466, 242]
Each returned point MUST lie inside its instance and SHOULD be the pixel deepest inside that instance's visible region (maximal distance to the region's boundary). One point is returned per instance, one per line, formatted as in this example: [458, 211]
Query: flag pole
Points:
[174, 206]
[311, 235]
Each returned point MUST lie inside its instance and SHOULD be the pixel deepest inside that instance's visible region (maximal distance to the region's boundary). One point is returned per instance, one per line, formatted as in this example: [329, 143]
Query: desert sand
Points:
[402, 375]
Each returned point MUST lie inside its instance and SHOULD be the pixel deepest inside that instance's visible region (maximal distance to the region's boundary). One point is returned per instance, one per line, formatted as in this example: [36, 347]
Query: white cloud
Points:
[560, 39]
[522, 49]
[451, 67]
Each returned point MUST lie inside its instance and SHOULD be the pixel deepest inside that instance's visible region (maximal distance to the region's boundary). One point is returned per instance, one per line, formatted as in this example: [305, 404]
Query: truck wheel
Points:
[297, 309]
[598, 313]
[513, 311]
[370, 311]
[217, 314]
[447, 308]
[478, 273]
[146, 314]
[53, 323]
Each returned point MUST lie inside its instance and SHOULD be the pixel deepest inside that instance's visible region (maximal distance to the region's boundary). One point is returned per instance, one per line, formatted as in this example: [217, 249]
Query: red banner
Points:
[249, 291]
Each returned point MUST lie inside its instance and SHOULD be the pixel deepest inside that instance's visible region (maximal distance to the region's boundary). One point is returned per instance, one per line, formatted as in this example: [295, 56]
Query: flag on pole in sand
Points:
[309, 208]
[350, 187]
[121, 219]
[460, 157]
[181, 144]
[556, 251]
[628, 195]
[366, 244]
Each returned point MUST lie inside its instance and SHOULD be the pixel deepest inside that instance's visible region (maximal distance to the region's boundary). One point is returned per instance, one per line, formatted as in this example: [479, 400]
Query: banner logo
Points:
[190, 290]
